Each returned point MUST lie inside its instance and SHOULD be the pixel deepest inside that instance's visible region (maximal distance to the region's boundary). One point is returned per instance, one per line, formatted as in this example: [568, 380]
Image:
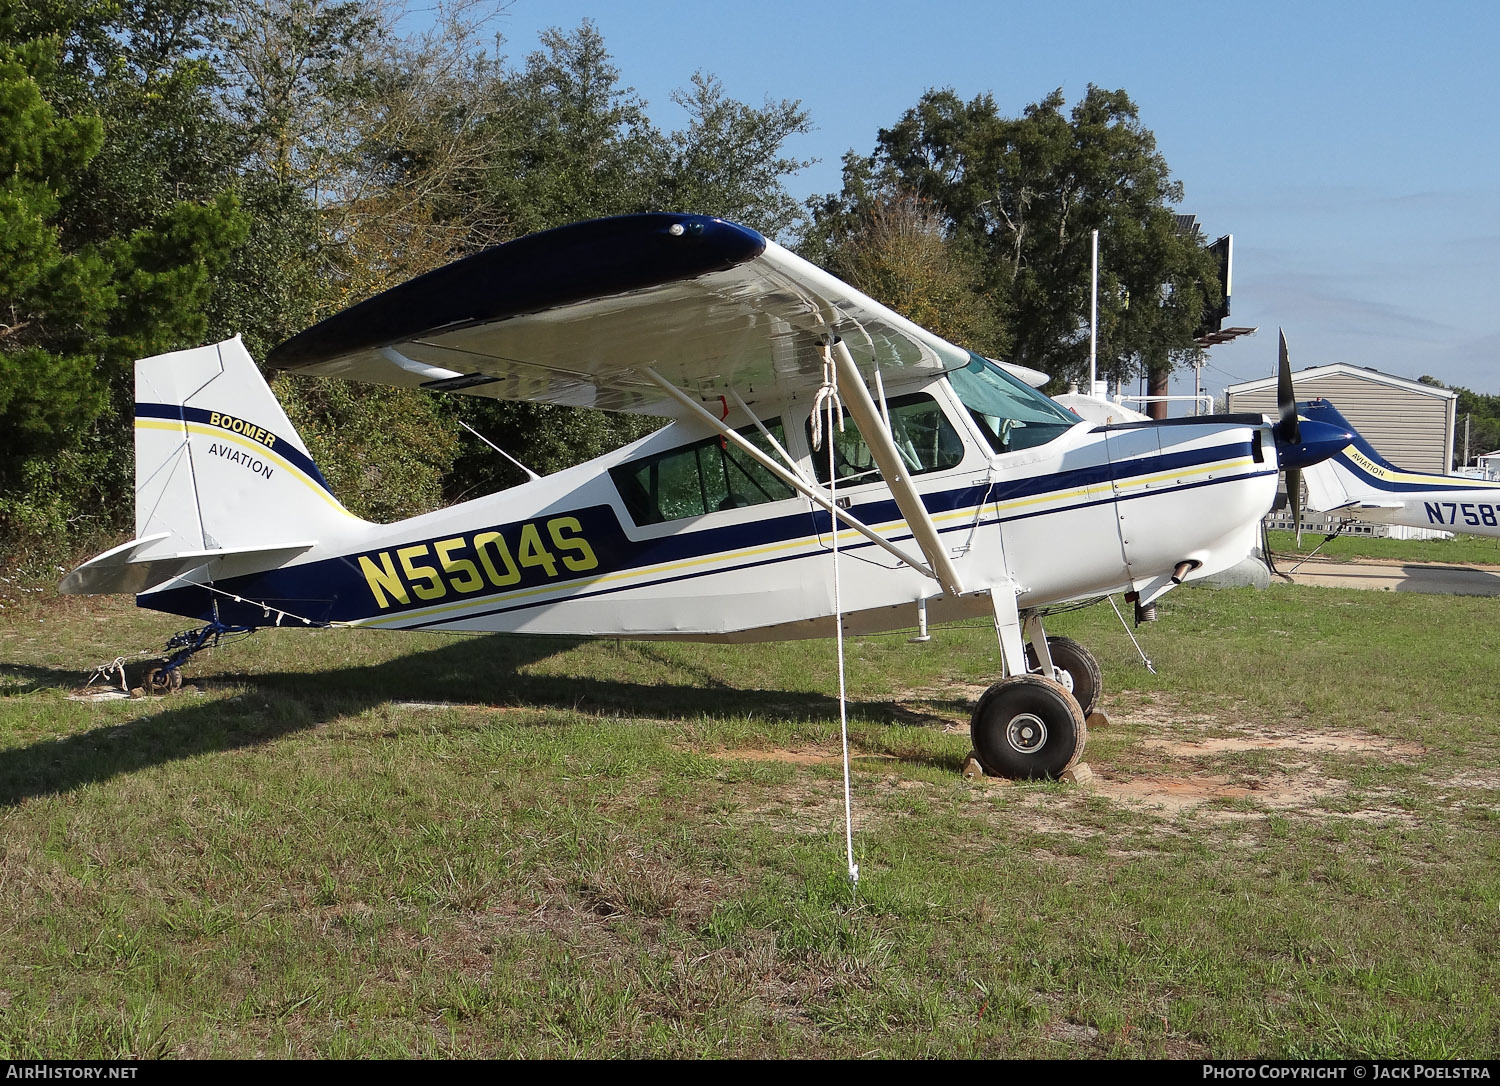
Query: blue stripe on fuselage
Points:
[337, 590]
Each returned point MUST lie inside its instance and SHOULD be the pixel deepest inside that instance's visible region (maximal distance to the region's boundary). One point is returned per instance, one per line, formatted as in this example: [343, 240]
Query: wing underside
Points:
[575, 315]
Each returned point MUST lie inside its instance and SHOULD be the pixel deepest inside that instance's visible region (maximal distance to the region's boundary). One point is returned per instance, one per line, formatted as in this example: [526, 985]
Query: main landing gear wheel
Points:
[1075, 667]
[162, 680]
[1028, 727]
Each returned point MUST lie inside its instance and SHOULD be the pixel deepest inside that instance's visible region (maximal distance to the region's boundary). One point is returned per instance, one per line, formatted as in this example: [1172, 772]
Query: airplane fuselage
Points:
[587, 551]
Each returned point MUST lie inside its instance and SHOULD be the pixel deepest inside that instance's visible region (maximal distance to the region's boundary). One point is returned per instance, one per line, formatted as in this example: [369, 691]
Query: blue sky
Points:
[1353, 149]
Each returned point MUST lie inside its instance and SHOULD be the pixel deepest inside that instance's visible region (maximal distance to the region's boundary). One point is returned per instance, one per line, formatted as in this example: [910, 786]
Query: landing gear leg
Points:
[165, 677]
[1031, 726]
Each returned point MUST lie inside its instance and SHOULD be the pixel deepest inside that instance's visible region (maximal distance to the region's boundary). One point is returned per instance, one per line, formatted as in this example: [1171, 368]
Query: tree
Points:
[1479, 412]
[83, 290]
[354, 148]
[571, 142]
[729, 161]
[1024, 194]
[173, 171]
[574, 143]
[895, 250]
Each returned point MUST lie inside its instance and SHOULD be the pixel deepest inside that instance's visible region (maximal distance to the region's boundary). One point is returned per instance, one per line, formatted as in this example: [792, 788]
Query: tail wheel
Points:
[1028, 727]
[162, 680]
[1075, 667]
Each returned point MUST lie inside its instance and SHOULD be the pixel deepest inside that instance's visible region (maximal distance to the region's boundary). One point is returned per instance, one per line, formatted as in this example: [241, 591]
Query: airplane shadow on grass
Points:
[482, 671]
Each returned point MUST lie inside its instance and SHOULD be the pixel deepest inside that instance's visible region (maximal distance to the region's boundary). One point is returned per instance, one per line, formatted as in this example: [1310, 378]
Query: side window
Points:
[924, 437]
[704, 477]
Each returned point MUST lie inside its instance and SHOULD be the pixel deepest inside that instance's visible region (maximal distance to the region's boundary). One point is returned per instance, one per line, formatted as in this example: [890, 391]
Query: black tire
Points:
[162, 680]
[1080, 674]
[1028, 728]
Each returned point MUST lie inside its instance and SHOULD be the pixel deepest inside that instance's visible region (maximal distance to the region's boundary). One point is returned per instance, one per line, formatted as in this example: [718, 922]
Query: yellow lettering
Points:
[533, 552]
[586, 558]
[470, 579]
[383, 579]
[497, 541]
[240, 426]
[434, 588]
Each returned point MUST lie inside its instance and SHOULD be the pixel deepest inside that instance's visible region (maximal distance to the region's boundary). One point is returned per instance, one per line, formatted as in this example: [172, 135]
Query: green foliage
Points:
[382, 450]
[290, 64]
[176, 171]
[1478, 415]
[578, 144]
[567, 141]
[894, 248]
[729, 160]
[87, 285]
[1023, 195]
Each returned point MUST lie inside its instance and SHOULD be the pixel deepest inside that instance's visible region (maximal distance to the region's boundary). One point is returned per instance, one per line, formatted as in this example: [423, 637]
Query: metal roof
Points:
[1345, 369]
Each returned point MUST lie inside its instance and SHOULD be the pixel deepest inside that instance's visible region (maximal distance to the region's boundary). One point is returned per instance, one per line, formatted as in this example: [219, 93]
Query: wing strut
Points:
[790, 479]
[878, 437]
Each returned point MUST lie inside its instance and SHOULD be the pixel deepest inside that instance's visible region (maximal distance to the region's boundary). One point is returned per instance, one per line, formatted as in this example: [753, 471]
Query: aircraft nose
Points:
[1314, 443]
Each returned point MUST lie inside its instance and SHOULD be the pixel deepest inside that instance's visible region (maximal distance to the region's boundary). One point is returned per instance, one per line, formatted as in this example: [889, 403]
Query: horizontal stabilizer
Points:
[131, 568]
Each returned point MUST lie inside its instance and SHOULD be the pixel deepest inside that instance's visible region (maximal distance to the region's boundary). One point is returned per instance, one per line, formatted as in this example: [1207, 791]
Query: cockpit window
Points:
[705, 477]
[923, 435]
[1012, 414]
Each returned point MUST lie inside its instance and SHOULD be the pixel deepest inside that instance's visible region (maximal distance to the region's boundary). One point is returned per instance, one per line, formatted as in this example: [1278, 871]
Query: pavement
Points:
[1394, 577]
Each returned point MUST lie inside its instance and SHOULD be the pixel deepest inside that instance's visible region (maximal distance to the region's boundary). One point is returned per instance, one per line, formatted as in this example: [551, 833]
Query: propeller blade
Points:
[1294, 499]
[1288, 431]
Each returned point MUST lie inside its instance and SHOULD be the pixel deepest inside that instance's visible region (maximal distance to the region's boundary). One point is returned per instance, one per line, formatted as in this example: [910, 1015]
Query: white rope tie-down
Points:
[827, 400]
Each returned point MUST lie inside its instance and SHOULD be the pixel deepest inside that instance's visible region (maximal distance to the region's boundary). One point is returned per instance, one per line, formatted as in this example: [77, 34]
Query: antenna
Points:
[530, 475]
[1094, 321]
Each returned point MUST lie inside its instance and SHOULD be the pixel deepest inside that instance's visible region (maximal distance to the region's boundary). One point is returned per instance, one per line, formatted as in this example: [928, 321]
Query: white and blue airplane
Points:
[1357, 483]
[958, 490]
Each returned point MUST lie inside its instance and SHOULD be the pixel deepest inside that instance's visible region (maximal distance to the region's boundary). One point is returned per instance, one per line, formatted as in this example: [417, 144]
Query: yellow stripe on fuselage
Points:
[1388, 475]
[845, 536]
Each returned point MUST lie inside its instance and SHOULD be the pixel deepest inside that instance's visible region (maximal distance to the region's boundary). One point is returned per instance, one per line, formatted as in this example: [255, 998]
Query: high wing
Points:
[575, 315]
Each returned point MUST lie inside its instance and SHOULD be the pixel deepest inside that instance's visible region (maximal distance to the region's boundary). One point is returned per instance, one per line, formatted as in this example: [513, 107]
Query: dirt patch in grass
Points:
[1193, 759]
[1295, 773]
[1344, 744]
[1219, 766]
[1174, 794]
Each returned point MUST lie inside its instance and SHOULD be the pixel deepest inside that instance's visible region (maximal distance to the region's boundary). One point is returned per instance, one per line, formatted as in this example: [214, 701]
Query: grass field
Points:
[340, 843]
[1461, 550]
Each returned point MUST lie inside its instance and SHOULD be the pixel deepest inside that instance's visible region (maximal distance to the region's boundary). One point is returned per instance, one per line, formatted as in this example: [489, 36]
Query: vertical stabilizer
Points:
[1334, 482]
[217, 463]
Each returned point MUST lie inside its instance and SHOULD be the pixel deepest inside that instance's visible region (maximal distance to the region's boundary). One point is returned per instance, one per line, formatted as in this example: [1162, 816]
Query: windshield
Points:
[1012, 414]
